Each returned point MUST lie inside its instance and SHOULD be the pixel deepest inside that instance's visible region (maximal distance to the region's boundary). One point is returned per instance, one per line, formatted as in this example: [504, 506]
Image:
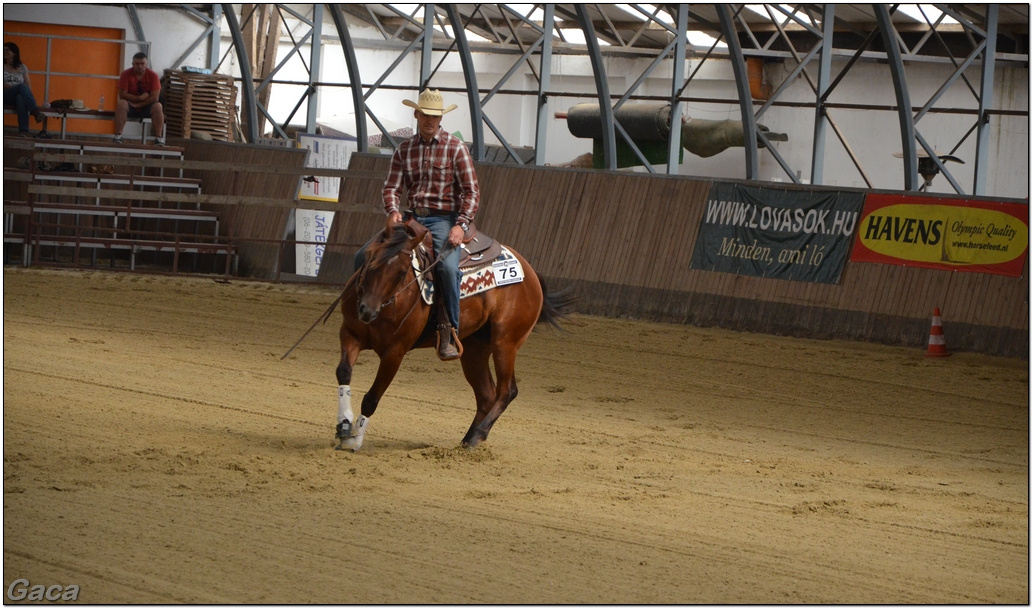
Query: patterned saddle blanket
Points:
[483, 270]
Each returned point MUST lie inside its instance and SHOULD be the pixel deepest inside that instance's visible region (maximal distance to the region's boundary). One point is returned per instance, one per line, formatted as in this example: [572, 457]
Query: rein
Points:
[329, 310]
[415, 278]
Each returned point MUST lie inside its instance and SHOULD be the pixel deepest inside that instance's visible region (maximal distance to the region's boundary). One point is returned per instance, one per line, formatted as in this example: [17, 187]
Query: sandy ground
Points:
[157, 450]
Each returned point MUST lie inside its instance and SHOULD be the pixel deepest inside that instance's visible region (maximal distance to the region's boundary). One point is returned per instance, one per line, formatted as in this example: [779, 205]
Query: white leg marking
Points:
[344, 404]
[355, 442]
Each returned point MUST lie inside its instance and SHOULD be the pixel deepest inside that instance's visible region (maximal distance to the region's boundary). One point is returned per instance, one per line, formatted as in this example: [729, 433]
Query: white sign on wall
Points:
[328, 153]
[311, 225]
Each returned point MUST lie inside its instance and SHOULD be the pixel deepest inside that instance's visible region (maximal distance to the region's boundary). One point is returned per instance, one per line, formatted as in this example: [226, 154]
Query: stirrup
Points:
[449, 347]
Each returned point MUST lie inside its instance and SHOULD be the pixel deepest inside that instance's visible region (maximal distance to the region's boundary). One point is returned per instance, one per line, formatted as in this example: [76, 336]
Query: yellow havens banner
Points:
[948, 234]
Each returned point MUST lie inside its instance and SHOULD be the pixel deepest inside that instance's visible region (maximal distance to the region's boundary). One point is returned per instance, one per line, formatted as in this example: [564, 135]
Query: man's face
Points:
[427, 124]
[139, 66]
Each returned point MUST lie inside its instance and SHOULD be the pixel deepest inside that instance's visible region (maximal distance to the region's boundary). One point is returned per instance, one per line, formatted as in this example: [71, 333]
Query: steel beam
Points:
[247, 84]
[352, 63]
[134, 18]
[315, 60]
[907, 123]
[215, 38]
[986, 98]
[210, 35]
[602, 88]
[470, 74]
[742, 85]
[428, 46]
[789, 22]
[824, 78]
[544, 83]
[677, 81]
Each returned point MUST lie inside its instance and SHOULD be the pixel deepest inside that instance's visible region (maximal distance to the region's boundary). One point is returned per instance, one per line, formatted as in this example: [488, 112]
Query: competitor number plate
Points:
[507, 271]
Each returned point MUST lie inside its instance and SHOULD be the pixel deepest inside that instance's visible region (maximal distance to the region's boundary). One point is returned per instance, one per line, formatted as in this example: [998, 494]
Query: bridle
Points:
[362, 275]
[416, 276]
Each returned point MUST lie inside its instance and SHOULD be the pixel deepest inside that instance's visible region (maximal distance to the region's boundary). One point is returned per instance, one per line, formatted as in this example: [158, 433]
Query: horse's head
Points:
[387, 267]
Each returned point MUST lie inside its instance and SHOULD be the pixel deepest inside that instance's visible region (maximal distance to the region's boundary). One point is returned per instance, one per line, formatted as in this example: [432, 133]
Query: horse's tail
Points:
[556, 306]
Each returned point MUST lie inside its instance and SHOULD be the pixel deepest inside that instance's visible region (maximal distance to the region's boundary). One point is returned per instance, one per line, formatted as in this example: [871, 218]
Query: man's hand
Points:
[455, 236]
[393, 218]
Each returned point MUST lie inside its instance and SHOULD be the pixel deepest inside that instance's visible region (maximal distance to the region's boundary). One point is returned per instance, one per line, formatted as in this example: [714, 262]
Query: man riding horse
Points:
[437, 171]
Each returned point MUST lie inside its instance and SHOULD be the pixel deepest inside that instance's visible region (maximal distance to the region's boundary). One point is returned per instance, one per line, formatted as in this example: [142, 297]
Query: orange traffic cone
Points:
[937, 343]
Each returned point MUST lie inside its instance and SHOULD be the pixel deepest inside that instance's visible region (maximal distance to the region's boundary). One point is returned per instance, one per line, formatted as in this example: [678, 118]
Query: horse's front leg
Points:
[345, 417]
[389, 364]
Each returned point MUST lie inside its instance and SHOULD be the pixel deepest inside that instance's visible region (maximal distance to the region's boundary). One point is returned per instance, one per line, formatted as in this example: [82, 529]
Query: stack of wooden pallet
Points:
[199, 102]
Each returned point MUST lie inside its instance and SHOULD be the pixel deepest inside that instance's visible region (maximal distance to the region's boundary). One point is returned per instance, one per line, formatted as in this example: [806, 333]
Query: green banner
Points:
[801, 235]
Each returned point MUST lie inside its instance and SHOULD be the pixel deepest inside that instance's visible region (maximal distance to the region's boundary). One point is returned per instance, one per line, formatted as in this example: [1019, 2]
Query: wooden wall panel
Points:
[624, 241]
[259, 229]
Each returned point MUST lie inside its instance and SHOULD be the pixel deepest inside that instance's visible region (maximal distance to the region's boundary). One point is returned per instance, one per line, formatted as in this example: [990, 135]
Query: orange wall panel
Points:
[88, 68]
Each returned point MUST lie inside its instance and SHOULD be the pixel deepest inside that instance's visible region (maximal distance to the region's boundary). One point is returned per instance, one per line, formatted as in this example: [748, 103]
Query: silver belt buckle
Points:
[421, 212]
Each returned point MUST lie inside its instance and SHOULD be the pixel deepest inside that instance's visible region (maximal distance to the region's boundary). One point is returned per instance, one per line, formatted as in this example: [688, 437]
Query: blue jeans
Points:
[20, 97]
[447, 274]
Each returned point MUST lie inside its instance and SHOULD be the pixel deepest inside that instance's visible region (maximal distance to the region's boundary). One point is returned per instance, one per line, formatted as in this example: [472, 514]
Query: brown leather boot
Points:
[449, 347]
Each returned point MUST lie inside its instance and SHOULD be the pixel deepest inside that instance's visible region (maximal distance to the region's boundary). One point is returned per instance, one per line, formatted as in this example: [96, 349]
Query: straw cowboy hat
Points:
[431, 103]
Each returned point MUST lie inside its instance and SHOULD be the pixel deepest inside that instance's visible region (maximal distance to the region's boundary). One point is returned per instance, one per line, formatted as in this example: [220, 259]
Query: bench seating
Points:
[63, 114]
[127, 212]
[115, 179]
[82, 214]
[86, 237]
[133, 246]
[82, 150]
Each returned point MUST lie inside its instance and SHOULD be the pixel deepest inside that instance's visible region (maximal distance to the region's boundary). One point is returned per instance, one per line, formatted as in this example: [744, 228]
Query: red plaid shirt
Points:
[438, 176]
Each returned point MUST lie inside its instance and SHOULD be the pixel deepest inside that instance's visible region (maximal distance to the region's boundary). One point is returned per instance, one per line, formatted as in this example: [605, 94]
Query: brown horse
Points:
[384, 311]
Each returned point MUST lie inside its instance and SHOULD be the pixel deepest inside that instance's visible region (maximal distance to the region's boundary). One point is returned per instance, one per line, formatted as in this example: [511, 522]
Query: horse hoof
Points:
[349, 444]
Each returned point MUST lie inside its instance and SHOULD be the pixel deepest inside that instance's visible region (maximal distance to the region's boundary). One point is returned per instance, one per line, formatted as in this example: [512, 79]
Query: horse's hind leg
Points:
[505, 392]
[478, 374]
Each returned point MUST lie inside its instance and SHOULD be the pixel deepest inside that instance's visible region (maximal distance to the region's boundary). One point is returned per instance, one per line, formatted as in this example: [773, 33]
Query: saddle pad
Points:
[502, 270]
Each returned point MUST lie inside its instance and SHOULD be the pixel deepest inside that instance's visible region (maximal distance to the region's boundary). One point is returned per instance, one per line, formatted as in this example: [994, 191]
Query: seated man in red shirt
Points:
[138, 90]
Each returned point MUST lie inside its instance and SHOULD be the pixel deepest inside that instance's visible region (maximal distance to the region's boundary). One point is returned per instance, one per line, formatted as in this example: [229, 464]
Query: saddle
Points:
[476, 249]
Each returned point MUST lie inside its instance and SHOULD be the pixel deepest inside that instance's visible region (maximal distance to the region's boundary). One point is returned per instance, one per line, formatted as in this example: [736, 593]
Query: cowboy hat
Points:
[431, 103]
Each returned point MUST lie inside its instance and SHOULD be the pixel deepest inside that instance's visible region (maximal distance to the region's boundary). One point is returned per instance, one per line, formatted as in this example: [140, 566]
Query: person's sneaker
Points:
[118, 139]
[160, 141]
[38, 115]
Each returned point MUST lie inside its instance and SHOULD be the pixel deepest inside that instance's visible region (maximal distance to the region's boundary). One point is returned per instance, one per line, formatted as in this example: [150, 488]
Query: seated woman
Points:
[17, 91]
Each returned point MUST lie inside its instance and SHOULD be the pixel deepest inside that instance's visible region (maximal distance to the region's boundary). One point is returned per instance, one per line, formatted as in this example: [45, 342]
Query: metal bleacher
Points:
[80, 202]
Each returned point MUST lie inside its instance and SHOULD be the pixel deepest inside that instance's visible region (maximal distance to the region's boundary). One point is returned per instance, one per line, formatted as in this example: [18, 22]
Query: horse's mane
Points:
[383, 251]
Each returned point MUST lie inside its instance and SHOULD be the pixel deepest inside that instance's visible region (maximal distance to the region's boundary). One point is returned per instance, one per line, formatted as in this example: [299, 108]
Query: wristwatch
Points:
[464, 226]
